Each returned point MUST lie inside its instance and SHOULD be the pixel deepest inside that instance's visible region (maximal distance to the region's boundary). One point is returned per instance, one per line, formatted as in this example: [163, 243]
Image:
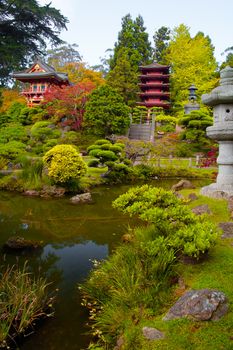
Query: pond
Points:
[72, 237]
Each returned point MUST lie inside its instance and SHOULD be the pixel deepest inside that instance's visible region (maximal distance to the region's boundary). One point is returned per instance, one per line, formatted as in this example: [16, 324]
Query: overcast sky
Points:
[94, 24]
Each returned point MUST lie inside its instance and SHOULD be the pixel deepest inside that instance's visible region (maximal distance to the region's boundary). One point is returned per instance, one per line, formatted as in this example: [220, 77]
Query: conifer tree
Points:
[131, 50]
[161, 40]
[124, 77]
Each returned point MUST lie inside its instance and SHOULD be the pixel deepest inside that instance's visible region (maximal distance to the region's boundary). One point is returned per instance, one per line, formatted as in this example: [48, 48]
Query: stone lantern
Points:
[221, 98]
[192, 105]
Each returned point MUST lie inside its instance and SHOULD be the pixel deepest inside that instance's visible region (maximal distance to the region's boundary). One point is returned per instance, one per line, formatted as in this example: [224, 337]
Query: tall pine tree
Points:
[131, 50]
[161, 40]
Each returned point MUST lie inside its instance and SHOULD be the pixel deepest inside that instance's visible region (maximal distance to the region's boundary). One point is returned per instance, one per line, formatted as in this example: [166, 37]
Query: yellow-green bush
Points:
[64, 163]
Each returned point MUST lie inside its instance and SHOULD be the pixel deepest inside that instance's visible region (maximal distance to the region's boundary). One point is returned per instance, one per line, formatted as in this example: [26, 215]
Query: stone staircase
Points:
[142, 132]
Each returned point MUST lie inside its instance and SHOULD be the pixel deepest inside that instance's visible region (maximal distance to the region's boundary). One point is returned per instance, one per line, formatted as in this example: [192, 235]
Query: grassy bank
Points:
[130, 314]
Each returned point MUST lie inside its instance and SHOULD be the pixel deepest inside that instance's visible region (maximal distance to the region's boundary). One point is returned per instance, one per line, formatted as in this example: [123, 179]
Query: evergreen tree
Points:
[133, 36]
[131, 50]
[161, 40]
[192, 62]
[106, 113]
[124, 77]
[229, 58]
[25, 29]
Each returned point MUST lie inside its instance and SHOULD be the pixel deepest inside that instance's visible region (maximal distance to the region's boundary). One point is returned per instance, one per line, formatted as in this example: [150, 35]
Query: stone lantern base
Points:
[217, 191]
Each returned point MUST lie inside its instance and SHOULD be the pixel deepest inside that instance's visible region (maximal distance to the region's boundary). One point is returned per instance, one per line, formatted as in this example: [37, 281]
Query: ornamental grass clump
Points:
[126, 285]
[23, 300]
[64, 164]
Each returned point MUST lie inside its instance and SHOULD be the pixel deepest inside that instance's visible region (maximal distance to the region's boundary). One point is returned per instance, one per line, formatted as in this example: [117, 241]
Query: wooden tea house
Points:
[38, 79]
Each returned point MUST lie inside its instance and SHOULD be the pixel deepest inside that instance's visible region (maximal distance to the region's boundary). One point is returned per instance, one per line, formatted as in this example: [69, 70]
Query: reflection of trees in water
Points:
[57, 220]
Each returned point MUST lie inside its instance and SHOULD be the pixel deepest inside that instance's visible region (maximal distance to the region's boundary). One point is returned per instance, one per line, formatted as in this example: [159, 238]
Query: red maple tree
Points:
[66, 105]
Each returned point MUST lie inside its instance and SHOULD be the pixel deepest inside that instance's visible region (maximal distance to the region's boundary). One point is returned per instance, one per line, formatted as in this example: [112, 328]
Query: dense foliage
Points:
[64, 164]
[170, 218]
[195, 124]
[131, 50]
[66, 105]
[106, 113]
[192, 62]
[161, 40]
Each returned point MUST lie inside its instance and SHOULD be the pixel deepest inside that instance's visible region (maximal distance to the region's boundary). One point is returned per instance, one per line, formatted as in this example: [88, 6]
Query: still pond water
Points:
[72, 237]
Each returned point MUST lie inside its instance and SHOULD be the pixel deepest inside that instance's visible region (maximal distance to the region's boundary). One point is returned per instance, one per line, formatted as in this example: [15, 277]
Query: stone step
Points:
[140, 132]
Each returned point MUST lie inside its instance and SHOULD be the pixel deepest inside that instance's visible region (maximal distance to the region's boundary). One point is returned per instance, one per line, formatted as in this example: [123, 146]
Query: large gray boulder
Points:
[182, 184]
[227, 228]
[199, 305]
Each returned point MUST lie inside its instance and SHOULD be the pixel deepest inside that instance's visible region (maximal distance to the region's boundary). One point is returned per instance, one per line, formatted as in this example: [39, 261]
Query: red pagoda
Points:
[154, 85]
[38, 79]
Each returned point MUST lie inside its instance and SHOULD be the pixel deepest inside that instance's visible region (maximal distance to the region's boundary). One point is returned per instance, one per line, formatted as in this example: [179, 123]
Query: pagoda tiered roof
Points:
[154, 85]
[40, 71]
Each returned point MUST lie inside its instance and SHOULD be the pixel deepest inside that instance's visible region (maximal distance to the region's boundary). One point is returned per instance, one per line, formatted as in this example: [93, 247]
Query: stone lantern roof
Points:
[222, 94]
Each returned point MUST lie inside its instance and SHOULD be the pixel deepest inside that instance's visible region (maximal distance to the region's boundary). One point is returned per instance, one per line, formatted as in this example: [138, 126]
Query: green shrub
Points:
[143, 171]
[49, 144]
[12, 149]
[121, 145]
[5, 119]
[183, 150]
[102, 142]
[104, 156]
[43, 130]
[115, 148]
[3, 163]
[195, 238]
[15, 109]
[25, 116]
[13, 132]
[92, 147]
[171, 218]
[70, 137]
[118, 173]
[94, 152]
[106, 146]
[64, 163]
[93, 163]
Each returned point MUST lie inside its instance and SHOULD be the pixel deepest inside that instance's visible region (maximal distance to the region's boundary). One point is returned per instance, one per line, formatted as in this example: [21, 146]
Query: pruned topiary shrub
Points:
[64, 163]
[187, 233]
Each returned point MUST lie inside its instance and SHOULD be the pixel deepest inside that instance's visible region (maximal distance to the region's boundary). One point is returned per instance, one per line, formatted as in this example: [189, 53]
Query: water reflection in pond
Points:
[72, 236]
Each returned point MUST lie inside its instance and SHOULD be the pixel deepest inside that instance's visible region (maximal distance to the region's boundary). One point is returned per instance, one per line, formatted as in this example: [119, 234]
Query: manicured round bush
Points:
[121, 145]
[93, 163]
[106, 146]
[90, 148]
[94, 152]
[116, 149]
[104, 156]
[102, 141]
[64, 163]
